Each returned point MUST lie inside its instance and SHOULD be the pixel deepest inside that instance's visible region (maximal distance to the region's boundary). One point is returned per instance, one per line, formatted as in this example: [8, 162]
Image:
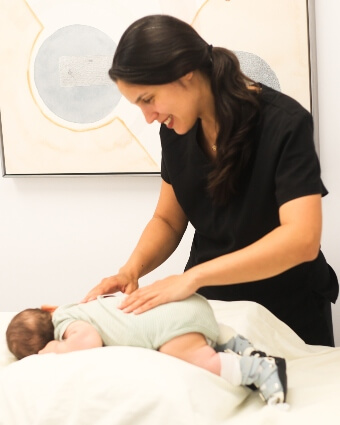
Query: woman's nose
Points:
[150, 115]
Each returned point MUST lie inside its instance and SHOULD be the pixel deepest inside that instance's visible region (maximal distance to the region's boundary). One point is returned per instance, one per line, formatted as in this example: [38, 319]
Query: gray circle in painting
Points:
[71, 74]
[257, 69]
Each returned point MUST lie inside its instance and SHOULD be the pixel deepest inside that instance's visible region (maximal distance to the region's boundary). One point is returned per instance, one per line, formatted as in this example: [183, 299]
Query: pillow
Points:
[128, 385]
[114, 386]
[6, 357]
[262, 328]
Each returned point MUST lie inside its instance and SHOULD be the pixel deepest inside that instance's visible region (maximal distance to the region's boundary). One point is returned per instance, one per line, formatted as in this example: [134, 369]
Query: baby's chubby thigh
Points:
[193, 348]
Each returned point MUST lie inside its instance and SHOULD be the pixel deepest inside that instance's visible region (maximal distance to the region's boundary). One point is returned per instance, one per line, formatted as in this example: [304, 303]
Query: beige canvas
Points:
[60, 112]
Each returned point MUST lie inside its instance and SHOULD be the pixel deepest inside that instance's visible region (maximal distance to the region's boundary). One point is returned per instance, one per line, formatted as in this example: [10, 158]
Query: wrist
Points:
[130, 272]
[194, 279]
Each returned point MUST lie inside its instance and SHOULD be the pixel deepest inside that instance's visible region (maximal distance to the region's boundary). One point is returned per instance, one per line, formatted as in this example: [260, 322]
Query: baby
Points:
[185, 329]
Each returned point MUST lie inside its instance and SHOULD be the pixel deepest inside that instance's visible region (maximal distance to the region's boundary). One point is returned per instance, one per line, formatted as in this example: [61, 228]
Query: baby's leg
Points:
[193, 348]
[266, 373]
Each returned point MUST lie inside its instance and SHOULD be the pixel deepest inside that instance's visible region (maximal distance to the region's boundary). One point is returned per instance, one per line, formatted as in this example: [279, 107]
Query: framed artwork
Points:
[62, 115]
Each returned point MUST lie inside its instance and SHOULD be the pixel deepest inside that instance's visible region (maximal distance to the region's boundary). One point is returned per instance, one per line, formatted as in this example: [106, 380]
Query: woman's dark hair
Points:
[160, 49]
[29, 331]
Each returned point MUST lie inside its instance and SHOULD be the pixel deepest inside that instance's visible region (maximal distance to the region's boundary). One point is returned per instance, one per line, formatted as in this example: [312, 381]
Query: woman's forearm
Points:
[157, 242]
[297, 240]
[268, 257]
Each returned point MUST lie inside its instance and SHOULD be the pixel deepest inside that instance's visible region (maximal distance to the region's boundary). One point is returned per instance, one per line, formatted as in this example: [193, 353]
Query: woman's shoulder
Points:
[281, 111]
[277, 102]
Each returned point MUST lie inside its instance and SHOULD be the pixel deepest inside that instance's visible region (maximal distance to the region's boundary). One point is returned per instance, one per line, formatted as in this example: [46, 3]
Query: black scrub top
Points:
[285, 167]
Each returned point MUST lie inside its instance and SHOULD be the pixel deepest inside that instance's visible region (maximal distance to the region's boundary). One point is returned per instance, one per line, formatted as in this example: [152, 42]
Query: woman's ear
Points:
[187, 77]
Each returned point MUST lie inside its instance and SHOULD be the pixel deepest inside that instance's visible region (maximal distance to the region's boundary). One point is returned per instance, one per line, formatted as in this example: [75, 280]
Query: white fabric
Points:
[225, 333]
[135, 386]
[6, 357]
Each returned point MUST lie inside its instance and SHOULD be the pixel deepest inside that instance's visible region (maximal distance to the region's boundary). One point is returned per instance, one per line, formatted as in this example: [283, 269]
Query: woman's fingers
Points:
[172, 288]
[112, 284]
[138, 303]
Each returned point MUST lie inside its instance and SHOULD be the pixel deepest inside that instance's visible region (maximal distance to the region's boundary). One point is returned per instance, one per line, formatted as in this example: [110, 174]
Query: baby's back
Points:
[149, 330]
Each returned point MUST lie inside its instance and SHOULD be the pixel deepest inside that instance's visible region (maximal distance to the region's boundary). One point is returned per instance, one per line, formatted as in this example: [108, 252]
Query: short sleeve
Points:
[164, 135]
[164, 172]
[61, 320]
[298, 169]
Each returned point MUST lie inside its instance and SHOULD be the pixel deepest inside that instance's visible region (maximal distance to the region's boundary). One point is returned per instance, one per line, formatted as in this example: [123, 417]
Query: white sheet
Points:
[134, 386]
[6, 357]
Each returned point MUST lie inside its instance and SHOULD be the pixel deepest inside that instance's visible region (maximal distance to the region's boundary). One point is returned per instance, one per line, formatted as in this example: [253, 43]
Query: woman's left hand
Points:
[172, 288]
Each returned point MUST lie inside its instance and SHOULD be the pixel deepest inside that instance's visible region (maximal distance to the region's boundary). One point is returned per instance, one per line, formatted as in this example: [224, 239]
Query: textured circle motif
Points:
[258, 69]
[71, 74]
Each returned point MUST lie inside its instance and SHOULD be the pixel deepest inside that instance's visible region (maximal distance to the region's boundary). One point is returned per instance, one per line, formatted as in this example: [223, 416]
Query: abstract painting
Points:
[62, 115]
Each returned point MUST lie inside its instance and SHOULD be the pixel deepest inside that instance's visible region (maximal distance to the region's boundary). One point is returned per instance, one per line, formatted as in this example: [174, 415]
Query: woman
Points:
[239, 163]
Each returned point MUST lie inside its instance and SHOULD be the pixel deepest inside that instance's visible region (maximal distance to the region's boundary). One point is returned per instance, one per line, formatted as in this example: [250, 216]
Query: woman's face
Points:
[175, 104]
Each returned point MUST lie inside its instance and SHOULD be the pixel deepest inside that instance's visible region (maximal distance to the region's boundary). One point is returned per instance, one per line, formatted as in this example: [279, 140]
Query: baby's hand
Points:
[50, 347]
[49, 308]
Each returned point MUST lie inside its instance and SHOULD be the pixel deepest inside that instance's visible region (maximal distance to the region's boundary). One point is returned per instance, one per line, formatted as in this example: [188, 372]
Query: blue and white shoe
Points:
[268, 374]
[240, 345]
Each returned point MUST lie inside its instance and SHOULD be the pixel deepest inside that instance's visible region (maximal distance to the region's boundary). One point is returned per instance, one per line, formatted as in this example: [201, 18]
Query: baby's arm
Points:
[79, 335]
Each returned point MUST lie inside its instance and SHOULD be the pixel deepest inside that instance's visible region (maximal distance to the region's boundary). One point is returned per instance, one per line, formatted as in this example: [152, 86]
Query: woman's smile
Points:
[169, 121]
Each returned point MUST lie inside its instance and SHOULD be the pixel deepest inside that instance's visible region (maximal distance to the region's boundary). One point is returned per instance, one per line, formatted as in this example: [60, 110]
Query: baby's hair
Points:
[29, 331]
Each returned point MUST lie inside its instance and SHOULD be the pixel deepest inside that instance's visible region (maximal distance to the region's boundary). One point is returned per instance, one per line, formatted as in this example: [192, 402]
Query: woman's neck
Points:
[208, 126]
[207, 139]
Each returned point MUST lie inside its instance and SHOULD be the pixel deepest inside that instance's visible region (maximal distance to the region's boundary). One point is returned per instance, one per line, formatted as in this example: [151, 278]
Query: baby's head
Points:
[29, 331]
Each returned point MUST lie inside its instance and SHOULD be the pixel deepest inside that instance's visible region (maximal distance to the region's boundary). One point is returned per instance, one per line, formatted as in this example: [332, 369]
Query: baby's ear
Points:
[49, 308]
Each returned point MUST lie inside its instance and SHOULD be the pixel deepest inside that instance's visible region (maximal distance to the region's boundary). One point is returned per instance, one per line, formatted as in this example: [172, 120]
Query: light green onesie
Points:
[149, 330]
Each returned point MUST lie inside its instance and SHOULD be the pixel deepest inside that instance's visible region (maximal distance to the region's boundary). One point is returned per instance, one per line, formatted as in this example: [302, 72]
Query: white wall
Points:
[328, 60]
[60, 236]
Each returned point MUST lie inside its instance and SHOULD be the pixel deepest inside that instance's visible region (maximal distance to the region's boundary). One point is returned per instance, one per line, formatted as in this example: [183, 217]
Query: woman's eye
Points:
[147, 100]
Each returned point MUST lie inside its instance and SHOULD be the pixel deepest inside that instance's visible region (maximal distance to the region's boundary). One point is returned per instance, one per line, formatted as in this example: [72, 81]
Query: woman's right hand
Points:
[109, 285]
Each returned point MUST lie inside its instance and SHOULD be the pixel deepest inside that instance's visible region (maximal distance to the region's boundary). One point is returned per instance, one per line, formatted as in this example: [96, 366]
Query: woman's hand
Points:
[119, 282]
[172, 288]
